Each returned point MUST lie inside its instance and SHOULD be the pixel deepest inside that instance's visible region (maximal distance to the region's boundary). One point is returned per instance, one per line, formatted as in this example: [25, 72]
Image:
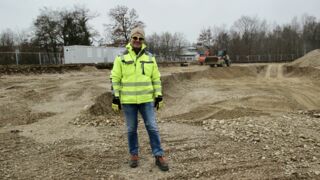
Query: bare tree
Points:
[221, 37]
[7, 38]
[153, 42]
[206, 38]
[167, 45]
[180, 41]
[249, 29]
[123, 21]
[21, 36]
[311, 33]
[47, 30]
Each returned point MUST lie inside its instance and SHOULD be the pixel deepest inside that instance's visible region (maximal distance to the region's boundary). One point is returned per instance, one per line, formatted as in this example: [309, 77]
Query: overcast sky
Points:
[185, 16]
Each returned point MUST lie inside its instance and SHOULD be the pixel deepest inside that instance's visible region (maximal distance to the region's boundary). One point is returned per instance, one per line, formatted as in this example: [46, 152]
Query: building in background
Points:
[79, 54]
[189, 54]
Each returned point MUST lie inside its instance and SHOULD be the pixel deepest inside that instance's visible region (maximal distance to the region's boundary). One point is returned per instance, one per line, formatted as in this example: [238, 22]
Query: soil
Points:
[311, 59]
[252, 121]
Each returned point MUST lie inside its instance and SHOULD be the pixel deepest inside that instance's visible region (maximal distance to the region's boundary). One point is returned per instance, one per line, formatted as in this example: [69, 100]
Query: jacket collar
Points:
[130, 48]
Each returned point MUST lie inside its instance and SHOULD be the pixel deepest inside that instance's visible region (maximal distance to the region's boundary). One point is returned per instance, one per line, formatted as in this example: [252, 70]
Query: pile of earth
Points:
[89, 69]
[100, 113]
[306, 66]
[311, 59]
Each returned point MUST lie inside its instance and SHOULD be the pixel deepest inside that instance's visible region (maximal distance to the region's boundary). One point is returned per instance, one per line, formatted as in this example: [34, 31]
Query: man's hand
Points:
[116, 106]
[158, 103]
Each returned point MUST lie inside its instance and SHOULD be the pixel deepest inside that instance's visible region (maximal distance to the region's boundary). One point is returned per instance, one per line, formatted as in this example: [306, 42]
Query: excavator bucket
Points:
[211, 60]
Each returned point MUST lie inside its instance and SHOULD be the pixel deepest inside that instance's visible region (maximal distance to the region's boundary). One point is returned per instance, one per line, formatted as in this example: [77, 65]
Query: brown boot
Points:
[134, 161]
[162, 163]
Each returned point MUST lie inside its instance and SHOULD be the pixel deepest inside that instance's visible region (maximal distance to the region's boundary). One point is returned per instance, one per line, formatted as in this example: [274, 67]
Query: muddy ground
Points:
[252, 121]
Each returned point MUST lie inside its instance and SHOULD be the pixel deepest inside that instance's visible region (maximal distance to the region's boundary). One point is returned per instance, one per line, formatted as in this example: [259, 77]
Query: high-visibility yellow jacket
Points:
[135, 77]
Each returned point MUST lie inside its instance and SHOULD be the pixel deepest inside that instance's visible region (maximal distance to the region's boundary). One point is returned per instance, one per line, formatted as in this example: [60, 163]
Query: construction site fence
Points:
[28, 58]
[43, 58]
[265, 58]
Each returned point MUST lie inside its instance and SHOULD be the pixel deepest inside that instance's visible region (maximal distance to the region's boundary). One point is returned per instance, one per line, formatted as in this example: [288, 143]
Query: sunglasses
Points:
[136, 38]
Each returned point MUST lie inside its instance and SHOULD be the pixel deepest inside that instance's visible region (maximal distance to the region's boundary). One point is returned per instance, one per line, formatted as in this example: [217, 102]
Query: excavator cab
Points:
[223, 55]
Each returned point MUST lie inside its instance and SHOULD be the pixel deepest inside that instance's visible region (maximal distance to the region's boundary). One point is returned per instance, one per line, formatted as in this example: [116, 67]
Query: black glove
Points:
[158, 102]
[116, 106]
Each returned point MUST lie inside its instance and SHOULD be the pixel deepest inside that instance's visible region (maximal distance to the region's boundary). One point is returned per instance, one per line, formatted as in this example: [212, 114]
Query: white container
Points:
[79, 54]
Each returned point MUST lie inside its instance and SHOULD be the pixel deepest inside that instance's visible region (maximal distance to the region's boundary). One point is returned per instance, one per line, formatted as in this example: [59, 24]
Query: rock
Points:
[277, 153]
[294, 158]
[314, 158]
[255, 131]
[224, 161]
[317, 173]
[266, 148]
[15, 131]
[291, 150]
[86, 107]
[197, 175]
[316, 115]
[302, 136]
[256, 139]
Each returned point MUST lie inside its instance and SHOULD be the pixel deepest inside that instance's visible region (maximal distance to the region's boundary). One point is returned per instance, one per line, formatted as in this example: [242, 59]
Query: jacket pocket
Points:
[147, 67]
[128, 67]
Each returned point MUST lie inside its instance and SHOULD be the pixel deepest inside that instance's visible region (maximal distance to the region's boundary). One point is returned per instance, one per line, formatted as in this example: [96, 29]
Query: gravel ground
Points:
[242, 122]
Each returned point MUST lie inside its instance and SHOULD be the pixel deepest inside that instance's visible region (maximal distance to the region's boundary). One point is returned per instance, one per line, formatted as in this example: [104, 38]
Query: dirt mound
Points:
[311, 59]
[102, 105]
[100, 113]
[199, 115]
[306, 66]
[308, 72]
[311, 113]
[20, 114]
[236, 113]
[89, 69]
[48, 69]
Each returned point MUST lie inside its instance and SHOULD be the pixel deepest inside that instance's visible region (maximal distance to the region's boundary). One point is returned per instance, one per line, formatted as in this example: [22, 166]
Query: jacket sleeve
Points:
[156, 82]
[116, 75]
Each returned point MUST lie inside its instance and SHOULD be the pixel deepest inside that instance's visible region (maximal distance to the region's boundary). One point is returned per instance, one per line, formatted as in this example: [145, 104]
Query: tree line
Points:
[54, 28]
[253, 36]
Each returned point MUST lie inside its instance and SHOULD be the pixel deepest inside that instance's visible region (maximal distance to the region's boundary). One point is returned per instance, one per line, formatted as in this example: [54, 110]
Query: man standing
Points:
[137, 87]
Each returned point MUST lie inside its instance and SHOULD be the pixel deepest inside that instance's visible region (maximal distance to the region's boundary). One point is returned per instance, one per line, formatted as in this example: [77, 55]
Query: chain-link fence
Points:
[42, 58]
[239, 58]
[265, 58]
[24, 58]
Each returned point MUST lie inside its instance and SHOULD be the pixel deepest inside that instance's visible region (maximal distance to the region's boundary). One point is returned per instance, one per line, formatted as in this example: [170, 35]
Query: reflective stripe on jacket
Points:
[135, 78]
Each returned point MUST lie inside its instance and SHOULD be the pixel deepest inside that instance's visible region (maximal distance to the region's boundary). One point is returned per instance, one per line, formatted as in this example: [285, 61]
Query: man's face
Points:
[136, 41]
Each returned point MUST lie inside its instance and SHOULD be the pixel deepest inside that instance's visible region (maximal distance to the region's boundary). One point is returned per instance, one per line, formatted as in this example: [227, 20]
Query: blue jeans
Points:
[149, 118]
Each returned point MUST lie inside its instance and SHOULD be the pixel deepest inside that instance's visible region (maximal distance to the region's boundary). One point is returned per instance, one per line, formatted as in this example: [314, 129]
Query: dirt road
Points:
[241, 122]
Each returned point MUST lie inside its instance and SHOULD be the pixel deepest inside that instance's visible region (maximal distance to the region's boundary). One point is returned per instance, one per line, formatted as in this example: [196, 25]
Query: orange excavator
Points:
[222, 59]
